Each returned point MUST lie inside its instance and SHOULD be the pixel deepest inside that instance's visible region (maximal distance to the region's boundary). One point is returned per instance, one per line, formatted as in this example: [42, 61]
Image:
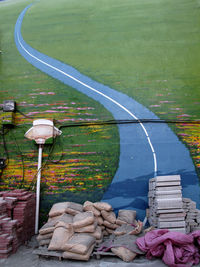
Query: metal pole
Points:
[38, 188]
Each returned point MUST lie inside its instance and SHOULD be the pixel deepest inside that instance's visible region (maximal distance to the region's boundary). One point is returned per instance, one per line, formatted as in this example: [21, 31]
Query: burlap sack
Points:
[105, 233]
[60, 236]
[63, 224]
[58, 209]
[99, 220]
[110, 231]
[67, 218]
[44, 242]
[112, 226]
[97, 233]
[79, 243]
[77, 256]
[120, 222]
[83, 219]
[109, 216]
[127, 216]
[99, 241]
[103, 206]
[102, 227]
[74, 208]
[43, 237]
[54, 219]
[47, 228]
[88, 206]
[124, 253]
[123, 229]
[87, 229]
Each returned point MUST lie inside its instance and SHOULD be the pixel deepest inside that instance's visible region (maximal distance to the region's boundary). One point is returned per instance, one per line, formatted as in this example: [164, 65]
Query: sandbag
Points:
[79, 243]
[67, 218]
[60, 236]
[77, 256]
[112, 226]
[58, 209]
[109, 216]
[103, 206]
[83, 219]
[54, 219]
[124, 229]
[99, 220]
[63, 224]
[110, 231]
[120, 222]
[87, 229]
[124, 253]
[88, 206]
[102, 227]
[42, 237]
[44, 242]
[74, 208]
[137, 229]
[47, 228]
[99, 241]
[105, 233]
[127, 216]
[97, 233]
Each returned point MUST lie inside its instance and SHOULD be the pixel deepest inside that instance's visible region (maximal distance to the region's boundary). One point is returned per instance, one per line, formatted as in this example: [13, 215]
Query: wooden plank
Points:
[45, 253]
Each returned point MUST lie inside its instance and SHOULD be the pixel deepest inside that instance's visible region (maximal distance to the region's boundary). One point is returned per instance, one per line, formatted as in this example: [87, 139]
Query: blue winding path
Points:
[145, 149]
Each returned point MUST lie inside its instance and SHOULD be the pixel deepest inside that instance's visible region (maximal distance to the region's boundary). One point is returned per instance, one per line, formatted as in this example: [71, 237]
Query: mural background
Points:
[147, 50]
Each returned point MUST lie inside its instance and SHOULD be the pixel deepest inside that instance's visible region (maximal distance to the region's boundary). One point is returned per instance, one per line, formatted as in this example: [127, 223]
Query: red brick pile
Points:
[17, 219]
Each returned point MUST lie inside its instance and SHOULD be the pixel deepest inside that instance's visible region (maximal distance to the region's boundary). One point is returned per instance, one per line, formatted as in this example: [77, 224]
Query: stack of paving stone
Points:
[192, 215]
[165, 203]
[17, 220]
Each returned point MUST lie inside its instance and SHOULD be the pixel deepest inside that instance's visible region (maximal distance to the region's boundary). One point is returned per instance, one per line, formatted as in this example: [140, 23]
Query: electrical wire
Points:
[33, 182]
[22, 158]
[5, 145]
[26, 116]
[111, 122]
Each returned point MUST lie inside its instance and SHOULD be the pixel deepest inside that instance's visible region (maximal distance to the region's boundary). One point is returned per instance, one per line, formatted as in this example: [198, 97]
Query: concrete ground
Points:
[25, 258]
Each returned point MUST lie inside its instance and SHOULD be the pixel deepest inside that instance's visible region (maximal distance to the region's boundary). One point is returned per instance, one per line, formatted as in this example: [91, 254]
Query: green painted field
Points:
[146, 49]
[83, 160]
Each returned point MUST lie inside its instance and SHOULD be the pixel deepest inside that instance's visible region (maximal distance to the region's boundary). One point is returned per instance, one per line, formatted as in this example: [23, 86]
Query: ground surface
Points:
[25, 258]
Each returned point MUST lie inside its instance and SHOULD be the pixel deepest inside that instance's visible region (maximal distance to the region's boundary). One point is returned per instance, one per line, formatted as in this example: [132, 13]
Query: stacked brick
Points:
[192, 218]
[17, 220]
[166, 204]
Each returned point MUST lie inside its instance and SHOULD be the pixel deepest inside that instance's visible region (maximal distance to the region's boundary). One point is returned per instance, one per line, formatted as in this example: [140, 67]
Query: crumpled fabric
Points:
[176, 249]
[196, 235]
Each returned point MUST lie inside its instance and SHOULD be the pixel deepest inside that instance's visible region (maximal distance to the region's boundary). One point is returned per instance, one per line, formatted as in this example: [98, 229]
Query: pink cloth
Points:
[176, 249]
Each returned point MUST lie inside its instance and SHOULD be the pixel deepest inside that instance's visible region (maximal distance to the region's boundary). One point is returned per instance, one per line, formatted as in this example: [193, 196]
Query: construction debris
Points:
[75, 230]
[166, 204]
[192, 218]
[167, 208]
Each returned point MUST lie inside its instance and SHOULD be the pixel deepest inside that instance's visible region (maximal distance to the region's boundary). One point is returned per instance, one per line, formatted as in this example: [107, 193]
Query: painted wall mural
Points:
[122, 86]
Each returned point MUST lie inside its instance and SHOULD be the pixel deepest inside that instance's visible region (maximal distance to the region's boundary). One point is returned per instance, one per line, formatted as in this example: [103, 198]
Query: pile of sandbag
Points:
[107, 219]
[75, 229]
[71, 230]
[104, 216]
[123, 240]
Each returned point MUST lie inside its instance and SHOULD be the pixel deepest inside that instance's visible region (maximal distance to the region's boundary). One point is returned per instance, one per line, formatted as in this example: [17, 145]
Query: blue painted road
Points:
[145, 149]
